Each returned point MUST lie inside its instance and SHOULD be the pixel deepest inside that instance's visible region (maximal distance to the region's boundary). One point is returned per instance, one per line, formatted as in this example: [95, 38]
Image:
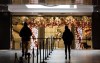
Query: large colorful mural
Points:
[54, 26]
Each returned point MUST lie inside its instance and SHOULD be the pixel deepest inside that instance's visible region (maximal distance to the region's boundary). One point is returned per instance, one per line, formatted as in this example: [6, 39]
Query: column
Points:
[5, 19]
[96, 27]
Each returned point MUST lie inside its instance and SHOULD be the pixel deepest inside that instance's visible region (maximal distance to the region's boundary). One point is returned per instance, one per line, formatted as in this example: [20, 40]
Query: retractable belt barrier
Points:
[44, 49]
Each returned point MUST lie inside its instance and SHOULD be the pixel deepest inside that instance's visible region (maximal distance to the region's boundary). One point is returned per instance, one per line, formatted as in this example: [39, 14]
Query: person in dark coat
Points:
[25, 34]
[67, 38]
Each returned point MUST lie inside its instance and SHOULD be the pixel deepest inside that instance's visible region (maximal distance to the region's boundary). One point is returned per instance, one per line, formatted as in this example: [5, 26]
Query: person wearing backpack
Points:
[67, 38]
[25, 34]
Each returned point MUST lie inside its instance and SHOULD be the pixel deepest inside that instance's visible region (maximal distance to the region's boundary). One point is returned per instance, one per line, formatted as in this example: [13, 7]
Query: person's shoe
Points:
[26, 56]
[22, 54]
[65, 57]
[69, 57]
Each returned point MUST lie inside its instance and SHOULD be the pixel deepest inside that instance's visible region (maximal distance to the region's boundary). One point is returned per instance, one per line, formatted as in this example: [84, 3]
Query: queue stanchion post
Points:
[43, 54]
[21, 60]
[33, 55]
[28, 57]
[40, 51]
[37, 53]
[43, 50]
[16, 58]
[51, 46]
[55, 43]
[47, 48]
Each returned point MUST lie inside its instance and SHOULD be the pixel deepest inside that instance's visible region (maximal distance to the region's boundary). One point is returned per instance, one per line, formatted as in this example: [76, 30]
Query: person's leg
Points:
[23, 48]
[26, 47]
[65, 51]
[69, 50]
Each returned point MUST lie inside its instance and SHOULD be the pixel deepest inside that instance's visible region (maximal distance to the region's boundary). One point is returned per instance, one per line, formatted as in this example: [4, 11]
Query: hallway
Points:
[57, 56]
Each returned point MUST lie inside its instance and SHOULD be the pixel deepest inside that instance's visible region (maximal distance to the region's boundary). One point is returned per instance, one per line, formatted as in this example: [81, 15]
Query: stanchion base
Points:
[46, 59]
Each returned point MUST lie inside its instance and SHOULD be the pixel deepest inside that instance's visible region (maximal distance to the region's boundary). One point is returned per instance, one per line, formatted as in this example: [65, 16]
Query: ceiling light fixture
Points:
[42, 6]
[75, 6]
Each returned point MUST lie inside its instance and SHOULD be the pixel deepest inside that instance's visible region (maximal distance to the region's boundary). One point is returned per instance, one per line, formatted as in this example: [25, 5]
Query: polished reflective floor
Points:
[77, 56]
[57, 56]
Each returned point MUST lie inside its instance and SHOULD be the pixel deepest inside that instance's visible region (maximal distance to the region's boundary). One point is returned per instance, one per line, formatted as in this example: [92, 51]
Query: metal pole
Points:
[47, 48]
[37, 53]
[16, 58]
[28, 57]
[33, 55]
[51, 44]
[21, 60]
[55, 43]
[43, 53]
[43, 50]
[40, 51]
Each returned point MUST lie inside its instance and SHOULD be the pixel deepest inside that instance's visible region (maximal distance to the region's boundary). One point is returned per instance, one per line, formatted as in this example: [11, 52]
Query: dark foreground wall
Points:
[96, 27]
[4, 30]
[5, 1]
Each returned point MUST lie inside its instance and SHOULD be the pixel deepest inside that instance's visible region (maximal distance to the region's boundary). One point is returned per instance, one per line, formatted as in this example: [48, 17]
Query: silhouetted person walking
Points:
[67, 38]
[25, 35]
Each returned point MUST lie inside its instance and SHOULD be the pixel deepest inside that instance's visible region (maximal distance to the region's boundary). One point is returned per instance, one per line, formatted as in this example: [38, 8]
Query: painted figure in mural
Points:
[25, 34]
[34, 39]
[67, 38]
